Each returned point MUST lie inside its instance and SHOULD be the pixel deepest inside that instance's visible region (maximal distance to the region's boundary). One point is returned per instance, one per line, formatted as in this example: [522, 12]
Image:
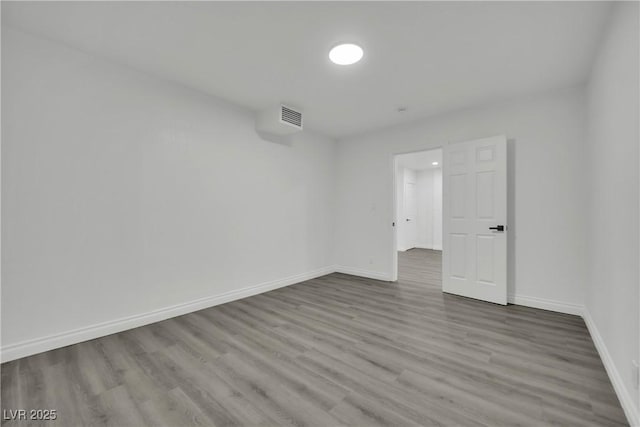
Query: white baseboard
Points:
[546, 304]
[628, 405]
[50, 342]
[362, 273]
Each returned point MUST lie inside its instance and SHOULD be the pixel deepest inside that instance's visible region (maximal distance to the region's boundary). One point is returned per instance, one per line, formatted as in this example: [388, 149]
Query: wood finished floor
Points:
[337, 350]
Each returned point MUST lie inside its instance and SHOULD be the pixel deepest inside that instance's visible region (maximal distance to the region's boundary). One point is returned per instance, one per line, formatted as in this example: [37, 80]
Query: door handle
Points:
[497, 228]
[408, 219]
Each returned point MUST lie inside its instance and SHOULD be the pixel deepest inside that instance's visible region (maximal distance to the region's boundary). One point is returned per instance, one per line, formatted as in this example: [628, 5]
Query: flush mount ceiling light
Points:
[434, 163]
[346, 54]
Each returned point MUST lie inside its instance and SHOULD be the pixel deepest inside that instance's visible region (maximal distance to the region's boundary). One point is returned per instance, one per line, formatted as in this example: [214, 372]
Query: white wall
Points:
[424, 186]
[546, 192]
[429, 185]
[124, 194]
[612, 297]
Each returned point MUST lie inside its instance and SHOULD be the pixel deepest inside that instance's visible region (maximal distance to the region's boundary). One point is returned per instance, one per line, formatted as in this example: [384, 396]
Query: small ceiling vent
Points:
[281, 120]
[290, 116]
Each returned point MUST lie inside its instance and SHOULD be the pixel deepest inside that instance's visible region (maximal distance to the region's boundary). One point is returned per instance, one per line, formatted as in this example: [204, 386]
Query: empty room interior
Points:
[320, 213]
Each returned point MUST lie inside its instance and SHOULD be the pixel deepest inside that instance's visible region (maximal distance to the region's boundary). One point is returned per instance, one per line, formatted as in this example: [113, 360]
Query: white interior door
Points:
[410, 214]
[474, 259]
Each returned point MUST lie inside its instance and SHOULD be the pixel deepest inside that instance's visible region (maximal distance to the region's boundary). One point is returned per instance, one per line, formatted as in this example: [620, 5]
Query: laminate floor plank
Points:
[335, 350]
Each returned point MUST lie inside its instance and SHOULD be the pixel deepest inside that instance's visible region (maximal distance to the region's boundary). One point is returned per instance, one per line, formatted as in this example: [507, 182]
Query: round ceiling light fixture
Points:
[346, 54]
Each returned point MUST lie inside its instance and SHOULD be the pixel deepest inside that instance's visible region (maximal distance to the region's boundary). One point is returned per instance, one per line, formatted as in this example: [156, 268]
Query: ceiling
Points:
[430, 57]
[420, 160]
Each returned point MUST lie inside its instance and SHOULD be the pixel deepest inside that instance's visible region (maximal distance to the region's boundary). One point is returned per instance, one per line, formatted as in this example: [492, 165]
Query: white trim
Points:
[363, 273]
[546, 304]
[628, 405]
[38, 345]
[395, 220]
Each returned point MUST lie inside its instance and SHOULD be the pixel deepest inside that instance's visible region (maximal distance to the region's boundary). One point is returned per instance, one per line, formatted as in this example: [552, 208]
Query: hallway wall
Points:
[429, 183]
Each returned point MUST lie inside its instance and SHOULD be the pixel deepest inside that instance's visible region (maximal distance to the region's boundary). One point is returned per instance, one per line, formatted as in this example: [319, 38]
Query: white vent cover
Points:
[282, 120]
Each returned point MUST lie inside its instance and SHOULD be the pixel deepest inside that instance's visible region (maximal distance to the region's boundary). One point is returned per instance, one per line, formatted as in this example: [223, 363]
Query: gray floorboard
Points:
[337, 350]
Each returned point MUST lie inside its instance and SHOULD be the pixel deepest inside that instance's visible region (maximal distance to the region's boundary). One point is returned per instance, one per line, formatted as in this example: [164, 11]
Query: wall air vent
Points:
[279, 120]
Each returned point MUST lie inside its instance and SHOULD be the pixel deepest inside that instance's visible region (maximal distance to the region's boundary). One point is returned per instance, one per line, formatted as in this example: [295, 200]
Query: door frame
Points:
[394, 202]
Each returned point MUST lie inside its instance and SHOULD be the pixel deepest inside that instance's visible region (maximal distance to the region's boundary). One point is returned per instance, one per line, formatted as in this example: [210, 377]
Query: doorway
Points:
[474, 219]
[418, 212]
[470, 222]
